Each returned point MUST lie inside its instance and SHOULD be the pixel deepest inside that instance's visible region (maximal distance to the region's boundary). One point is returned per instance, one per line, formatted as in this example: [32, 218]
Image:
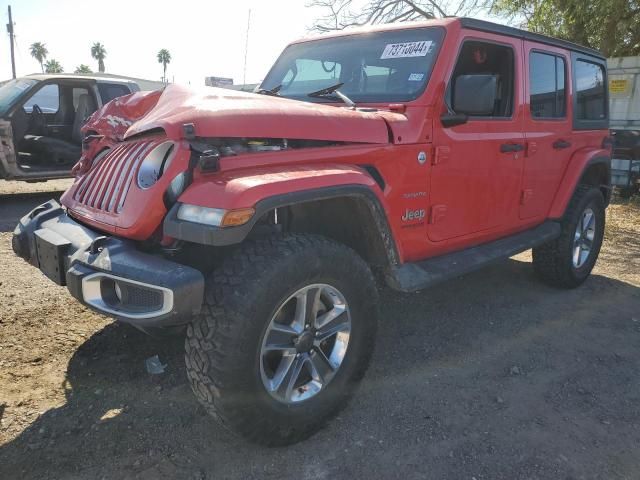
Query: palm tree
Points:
[99, 53]
[53, 66]
[83, 69]
[164, 57]
[39, 52]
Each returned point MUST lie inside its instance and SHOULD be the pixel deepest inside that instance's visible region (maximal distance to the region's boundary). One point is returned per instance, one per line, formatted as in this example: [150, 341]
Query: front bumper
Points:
[108, 274]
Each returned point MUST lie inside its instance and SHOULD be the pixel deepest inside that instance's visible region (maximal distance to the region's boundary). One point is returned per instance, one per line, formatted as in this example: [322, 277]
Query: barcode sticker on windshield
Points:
[408, 49]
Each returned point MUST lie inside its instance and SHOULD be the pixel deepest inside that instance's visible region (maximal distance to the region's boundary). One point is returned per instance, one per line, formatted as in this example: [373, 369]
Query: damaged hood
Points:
[217, 112]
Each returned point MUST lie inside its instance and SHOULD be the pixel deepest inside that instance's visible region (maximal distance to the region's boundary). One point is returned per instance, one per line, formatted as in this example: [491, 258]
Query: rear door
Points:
[547, 125]
[475, 179]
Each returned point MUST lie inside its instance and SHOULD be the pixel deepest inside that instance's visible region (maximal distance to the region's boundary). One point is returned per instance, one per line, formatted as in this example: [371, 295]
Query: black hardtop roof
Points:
[484, 26]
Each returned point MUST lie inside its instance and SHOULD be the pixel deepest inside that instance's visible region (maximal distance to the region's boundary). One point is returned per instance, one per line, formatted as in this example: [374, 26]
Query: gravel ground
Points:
[489, 376]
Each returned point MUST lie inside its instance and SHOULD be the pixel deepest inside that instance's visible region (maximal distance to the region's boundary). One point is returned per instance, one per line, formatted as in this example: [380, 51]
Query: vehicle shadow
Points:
[492, 375]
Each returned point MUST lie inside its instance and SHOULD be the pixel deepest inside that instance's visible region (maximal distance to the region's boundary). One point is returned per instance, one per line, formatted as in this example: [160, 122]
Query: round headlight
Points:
[155, 164]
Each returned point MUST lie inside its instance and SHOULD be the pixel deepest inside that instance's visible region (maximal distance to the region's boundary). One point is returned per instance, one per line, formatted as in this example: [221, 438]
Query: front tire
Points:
[567, 261]
[286, 332]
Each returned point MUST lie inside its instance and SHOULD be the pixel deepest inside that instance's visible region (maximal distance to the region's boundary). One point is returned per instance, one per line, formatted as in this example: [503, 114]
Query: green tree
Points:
[610, 26]
[99, 53]
[164, 57]
[39, 51]
[83, 69]
[53, 66]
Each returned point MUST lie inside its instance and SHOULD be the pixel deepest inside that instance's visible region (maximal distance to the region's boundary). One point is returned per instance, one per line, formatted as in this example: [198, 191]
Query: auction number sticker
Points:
[407, 49]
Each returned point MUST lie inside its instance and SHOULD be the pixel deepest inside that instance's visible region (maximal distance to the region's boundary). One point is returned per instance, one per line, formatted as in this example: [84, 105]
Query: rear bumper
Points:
[108, 274]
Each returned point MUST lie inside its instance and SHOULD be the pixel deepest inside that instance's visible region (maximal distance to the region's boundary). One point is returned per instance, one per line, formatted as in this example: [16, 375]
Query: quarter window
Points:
[547, 86]
[591, 98]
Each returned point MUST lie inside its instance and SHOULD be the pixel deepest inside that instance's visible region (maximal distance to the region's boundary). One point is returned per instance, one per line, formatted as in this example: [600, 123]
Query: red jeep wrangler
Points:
[417, 151]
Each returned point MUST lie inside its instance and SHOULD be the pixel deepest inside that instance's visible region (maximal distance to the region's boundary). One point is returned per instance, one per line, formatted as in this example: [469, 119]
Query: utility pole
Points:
[246, 50]
[10, 30]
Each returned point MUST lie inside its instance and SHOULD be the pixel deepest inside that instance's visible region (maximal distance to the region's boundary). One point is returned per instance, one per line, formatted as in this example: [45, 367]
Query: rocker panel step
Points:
[412, 277]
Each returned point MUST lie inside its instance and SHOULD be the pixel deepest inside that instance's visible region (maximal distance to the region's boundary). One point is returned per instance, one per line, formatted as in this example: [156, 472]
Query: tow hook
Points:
[97, 244]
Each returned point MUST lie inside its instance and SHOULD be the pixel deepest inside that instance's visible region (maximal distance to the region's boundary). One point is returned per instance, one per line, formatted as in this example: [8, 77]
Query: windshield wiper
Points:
[274, 92]
[333, 91]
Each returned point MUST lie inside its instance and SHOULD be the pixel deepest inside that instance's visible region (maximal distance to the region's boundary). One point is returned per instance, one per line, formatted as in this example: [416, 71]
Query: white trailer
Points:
[624, 106]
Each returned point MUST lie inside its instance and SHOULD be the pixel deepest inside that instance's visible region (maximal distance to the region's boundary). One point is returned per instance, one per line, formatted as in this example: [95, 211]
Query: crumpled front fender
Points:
[244, 189]
[274, 187]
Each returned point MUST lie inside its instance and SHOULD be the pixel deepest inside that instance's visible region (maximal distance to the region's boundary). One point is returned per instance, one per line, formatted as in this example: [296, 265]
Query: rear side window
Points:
[109, 91]
[547, 86]
[591, 97]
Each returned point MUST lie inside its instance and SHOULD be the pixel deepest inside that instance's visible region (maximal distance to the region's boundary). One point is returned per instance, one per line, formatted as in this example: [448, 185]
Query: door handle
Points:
[561, 144]
[511, 147]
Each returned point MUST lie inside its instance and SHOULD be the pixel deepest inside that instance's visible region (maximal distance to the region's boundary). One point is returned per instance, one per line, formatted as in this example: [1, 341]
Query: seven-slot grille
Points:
[106, 185]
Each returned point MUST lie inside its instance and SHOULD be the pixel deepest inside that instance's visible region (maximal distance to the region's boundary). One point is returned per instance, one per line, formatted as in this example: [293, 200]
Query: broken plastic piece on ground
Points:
[154, 365]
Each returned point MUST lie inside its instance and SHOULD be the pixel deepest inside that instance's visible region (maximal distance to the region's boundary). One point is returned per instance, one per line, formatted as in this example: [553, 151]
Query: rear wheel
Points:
[286, 332]
[567, 261]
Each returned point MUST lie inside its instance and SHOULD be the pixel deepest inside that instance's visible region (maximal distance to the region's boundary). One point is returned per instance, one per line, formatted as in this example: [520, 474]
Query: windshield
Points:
[376, 67]
[11, 91]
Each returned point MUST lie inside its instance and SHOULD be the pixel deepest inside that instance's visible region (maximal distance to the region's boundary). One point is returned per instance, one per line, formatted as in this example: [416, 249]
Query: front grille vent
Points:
[106, 185]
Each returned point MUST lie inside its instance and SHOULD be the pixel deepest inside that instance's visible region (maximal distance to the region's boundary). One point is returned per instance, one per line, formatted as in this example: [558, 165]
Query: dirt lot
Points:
[490, 376]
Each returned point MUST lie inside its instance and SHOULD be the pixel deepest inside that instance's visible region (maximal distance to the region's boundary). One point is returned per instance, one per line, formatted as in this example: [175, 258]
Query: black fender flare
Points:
[217, 236]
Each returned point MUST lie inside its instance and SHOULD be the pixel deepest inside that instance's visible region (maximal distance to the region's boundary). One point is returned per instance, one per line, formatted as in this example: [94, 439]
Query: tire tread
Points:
[212, 339]
[550, 261]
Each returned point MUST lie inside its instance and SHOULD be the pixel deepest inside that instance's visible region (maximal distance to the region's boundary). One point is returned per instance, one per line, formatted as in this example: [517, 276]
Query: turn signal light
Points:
[233, 218]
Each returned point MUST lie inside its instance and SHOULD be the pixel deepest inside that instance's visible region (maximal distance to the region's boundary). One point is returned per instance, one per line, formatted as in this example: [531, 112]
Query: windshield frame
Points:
[5, 108]
[409, 97]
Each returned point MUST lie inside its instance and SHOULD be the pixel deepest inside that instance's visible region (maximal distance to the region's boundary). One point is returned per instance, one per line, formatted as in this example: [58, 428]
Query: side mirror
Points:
[452, 119]
[475, 94]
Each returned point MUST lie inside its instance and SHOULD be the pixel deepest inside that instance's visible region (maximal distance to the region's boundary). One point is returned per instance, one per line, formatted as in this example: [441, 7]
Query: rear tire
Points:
[229, 361]
[567, 261]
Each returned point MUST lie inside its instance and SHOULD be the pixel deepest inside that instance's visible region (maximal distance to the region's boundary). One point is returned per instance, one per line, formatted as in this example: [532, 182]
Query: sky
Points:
[205, 38]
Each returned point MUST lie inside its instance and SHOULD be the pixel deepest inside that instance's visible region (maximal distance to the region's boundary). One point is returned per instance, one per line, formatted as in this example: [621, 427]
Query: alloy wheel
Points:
[305, 343]
[583, 238]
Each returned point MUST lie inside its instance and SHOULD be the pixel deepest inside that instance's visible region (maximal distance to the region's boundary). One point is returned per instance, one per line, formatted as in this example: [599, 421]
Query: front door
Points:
[477, 166]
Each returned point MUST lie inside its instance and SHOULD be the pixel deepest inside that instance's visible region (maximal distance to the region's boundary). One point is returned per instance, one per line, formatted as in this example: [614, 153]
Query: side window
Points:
[47, 98]
[109, 91]
[547, 86]
[591, 98]
[482, 58]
